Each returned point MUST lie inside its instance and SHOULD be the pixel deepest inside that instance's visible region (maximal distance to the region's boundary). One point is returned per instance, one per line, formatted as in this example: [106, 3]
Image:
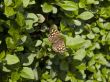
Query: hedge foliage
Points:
[26, 55]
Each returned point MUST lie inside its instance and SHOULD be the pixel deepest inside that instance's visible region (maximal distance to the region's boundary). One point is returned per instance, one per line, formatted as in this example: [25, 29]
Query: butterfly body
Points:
[58, 44]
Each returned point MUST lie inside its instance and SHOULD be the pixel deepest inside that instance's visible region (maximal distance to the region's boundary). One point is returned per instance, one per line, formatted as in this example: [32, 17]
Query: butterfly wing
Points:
[59, 46]
[54, 33]
[57, 41]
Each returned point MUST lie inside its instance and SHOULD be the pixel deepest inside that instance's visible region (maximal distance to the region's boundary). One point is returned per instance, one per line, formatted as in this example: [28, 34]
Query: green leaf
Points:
[107, 25]
[6, 69]
[35, 74]
[17, 3]
[38, 43]
[77, 22]
[104, 12]
[100, 59]
[100, 24]
[70, 14]
[96, 29]
[55, 10]
[68, 5]
[20, 19]
[10, 43]
[105, 71]
[82, 4]
[8, 2]
[19, 48]
[2, 55]
[98, 75]
[9, 11]
[46, 75]
[0, 41]
[92, 2]
[70, 77]
[41, 18]
[95, 46]
[23, 38]
[27, 72]
[86, 15]
[80, 54]
[13, 32]
[108, 38]
[40, 53]
[64, 66]
[47, 7]
[87, 44]
[82, 66]
[15, 36]
[11, 59]
[58, 80]
[45, 42]
[30, 58]
[26, 3]
[91, 68]
[32, 2]
[15, 76]
[30, 19]
[75, 42]
[91, 35]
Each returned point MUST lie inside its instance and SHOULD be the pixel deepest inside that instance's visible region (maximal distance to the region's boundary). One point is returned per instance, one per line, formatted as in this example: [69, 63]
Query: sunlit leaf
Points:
[75, 42]
[26, 3]
[92, 2]
[27, 72]
[8, 2]
[10, 43]
[15, 76]
[11, 59]
[38, 43]
[30, 58]
[80, 54]
[2, 55]
[19, 48]
[55, 10]
[46, 8]
[41, 18]
[86, 15]
[9, 11]
[68, 5]
[20, 19]
[31, 18]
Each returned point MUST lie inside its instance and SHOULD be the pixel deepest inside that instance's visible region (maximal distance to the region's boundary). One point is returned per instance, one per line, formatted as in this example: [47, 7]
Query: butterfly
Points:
[55, 37]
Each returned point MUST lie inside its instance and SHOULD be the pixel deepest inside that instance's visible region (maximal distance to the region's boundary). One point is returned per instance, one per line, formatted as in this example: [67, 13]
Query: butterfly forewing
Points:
[57, 41]
[54, 33]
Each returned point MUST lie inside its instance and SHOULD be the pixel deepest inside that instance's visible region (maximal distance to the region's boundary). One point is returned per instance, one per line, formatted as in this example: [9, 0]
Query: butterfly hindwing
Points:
[59, 46]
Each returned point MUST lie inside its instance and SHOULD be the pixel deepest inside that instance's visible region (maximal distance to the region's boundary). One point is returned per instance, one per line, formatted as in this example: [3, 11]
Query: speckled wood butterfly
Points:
[58, 44]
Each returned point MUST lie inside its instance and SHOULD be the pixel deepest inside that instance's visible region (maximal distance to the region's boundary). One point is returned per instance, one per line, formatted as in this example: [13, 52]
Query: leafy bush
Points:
[26, 54]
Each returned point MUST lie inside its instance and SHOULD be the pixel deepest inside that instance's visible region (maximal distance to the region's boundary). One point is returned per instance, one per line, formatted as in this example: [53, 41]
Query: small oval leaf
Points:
[46, 7]
[68, 5]
[85, 15]
[11, 59]
[27, 73]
